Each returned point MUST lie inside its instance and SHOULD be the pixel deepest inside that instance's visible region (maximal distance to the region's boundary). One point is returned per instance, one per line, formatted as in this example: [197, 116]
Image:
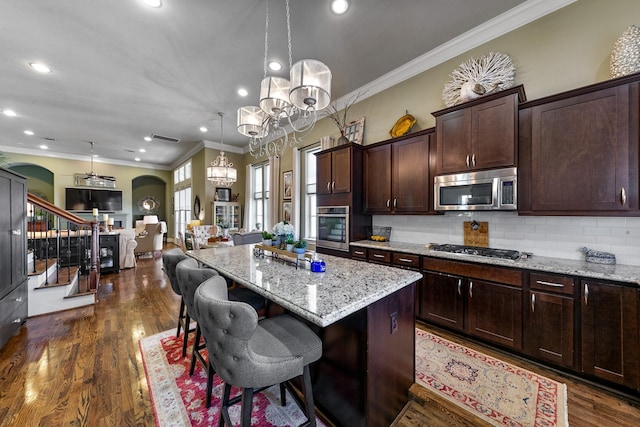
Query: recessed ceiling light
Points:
[9, 113]
[40, 67]
[275, 66]
[243, 92]
[44, 147]
[339, 6]
[137, 159]
[142, 150]
[28, 132]
[203, 129]
[153, 3]
[147, 138]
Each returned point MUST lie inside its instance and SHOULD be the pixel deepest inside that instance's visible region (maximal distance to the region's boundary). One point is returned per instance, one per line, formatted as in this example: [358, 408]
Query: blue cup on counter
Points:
[318, 266]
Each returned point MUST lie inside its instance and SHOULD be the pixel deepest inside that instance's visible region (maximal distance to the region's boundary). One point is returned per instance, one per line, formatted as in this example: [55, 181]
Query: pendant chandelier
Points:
[293, 103]
[221, 173]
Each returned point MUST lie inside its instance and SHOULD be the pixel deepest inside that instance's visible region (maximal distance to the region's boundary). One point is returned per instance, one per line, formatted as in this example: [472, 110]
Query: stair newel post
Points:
[94, 274]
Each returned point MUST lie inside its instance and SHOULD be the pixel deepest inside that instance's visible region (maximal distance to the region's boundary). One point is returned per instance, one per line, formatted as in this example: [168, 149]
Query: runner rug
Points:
[179, 399]
[500, 393]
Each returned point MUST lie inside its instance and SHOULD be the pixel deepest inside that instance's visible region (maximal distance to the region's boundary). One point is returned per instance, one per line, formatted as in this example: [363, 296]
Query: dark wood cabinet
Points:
[13, 253]
[579, 152]
[549, 331]
[480, 134]
[610, 333]
[442, 300]
[489, 298]
[334, 171]
[109, 256]
[398, 175]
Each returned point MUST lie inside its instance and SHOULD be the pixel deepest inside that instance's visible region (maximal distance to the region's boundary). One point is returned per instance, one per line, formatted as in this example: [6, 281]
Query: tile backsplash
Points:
[557, 237]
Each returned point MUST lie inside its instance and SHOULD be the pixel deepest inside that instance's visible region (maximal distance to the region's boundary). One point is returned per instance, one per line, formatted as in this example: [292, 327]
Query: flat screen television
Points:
[85, 199]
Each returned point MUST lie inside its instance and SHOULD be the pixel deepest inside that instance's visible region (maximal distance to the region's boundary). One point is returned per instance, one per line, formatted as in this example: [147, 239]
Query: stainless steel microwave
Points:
[495, 189]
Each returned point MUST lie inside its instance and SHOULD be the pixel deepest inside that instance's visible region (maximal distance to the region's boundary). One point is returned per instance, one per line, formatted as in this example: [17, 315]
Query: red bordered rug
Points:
[498, 392]
[178, 399]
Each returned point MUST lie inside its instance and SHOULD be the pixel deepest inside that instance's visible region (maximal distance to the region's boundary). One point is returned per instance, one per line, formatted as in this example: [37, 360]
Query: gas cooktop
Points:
[476, 250]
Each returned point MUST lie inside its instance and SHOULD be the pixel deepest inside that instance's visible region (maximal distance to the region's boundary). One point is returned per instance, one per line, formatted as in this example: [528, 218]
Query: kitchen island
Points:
[364, 314]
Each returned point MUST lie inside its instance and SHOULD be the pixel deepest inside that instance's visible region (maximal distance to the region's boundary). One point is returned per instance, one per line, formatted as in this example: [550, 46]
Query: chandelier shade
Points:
[274, 95]
[310, 85]
[250, 121]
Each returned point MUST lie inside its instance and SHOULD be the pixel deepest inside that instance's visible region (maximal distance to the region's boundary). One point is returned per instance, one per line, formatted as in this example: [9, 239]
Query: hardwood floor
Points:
[83, 367]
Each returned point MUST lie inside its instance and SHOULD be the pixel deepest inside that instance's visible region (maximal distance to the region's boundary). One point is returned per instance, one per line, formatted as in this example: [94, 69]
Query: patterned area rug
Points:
[500, 393]
[178, 399]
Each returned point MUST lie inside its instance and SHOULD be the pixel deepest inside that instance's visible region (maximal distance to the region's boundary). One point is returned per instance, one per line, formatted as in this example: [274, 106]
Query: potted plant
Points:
[290, 242]
[266, 238]
[300, 246]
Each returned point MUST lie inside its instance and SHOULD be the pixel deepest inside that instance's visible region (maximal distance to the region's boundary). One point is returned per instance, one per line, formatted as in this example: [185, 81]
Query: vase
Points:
[275, 241]
[299, 250]
[343, 139]
[266, 242]
[290, 247]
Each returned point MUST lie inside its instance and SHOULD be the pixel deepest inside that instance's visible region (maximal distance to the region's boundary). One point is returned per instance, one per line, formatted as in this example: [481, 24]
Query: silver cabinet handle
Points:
[405, 260]
[328, 186]
[533, 303]
[555, 285]
[358, 252]
[473, 160]
[623, 196]
[467, 161]
[388, 202]
[18, 320]
[459, 286]
[378, 256]
[470, 289]
[333, 186]
[586, 294]
[395, 203]
[19, 299]
[16, 232]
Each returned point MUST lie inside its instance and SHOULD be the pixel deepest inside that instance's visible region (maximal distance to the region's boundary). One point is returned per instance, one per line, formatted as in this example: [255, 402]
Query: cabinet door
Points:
[495, 313]
[377, 179]
[410, 175]
[18, 231]
[610, 342]
[493, 135]
[341, 171]
[549, 331]
[6, 265]
[323, 173]
[442, 300]
[580, 148]
[453, 132]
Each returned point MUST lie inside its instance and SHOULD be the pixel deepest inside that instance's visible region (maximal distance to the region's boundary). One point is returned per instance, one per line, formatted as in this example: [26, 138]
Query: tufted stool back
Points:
[170, 260]
[190, 275]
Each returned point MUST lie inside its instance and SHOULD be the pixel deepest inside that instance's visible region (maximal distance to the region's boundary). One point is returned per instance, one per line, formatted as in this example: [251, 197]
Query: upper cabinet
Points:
[579, 151]
[480, 134]
[398, 176]
[339, 176]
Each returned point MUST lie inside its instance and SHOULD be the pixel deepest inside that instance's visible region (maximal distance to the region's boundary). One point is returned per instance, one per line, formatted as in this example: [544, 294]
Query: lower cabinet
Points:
[109, 256]
[481, 300]
[13, 312]
[610, 334]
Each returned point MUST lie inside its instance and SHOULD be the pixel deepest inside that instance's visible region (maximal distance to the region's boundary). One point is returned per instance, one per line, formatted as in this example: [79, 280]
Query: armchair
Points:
[151, 238]
[128, 245]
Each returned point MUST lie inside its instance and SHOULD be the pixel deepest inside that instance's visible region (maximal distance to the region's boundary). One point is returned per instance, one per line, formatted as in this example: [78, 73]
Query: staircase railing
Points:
[59, 237]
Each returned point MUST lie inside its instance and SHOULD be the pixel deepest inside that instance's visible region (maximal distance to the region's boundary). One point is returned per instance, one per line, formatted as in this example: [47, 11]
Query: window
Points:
[182, 198]
[308, 208]
[260, 200]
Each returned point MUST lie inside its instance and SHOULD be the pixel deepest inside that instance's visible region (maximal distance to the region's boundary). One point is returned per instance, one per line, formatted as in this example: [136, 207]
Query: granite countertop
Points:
[321, 298]
[618, 272]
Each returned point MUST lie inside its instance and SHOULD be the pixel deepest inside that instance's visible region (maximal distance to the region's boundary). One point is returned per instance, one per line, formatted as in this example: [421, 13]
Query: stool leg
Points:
[308, 396]
[247, 405]
[196, 345]
[283, 395]
[187, 322]
[180, 317]
[224, 407]
[210, 373]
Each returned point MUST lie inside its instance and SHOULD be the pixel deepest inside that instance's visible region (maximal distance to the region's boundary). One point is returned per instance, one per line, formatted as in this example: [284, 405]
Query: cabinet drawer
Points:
[360, 253]
[376, 255]
[551, 283]
[475, 271]
[13, 312]
[108, 240]
[406, 260]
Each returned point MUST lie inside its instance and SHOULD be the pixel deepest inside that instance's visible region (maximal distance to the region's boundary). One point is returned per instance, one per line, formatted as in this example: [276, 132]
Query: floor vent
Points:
[165, 138]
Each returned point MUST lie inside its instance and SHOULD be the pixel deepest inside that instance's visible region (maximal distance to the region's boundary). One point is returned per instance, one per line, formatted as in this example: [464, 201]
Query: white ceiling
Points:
[122, 70]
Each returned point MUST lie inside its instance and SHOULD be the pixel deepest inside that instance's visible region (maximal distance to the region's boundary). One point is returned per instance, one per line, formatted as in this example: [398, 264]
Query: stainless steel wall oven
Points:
[333, 227]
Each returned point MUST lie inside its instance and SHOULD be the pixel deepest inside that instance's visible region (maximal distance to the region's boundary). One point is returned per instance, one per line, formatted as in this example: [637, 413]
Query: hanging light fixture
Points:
[295, 102]
[221, 172]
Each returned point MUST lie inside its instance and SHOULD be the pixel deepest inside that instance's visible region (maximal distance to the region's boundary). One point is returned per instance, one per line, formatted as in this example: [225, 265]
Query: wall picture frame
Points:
[286, 211]
[287, 185]
[354, 131]
[223, 194]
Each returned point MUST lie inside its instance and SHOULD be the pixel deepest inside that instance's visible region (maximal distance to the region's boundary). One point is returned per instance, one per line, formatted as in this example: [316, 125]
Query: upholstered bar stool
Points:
[254, 354]
[190, 276]
[170, 260]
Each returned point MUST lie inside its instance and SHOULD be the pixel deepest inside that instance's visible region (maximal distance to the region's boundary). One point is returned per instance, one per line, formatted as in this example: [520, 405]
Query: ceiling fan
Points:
[92, 175]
